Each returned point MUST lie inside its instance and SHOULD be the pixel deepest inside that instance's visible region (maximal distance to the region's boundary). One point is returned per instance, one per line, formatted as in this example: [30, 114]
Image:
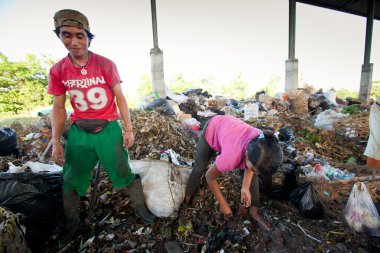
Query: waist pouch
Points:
[92, 126]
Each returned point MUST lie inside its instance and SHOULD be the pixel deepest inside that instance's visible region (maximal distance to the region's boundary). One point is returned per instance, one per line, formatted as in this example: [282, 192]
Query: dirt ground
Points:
[201, 228]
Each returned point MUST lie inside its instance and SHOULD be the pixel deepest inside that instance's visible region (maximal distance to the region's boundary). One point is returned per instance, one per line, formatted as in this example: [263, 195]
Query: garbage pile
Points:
[322, 126]
[167, 124]
[155, 133]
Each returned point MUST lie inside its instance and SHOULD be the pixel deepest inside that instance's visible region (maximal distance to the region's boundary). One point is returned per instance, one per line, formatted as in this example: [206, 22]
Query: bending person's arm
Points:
[211, 176]
[245, 192]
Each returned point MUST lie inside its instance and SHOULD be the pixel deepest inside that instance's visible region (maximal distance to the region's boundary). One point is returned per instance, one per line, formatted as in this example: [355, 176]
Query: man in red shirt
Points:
[93, 84]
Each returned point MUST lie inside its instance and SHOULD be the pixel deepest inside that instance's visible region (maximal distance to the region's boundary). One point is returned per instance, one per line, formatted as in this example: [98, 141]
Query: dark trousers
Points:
[203, 156]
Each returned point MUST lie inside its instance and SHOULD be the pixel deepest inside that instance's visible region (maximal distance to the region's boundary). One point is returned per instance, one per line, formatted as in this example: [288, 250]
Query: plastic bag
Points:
[307, 201]
[35, 167]
[39, 198]
[162, 106]
[8, 141]
[325, 120]
[360, 212]
[331, 96]
[283, 182]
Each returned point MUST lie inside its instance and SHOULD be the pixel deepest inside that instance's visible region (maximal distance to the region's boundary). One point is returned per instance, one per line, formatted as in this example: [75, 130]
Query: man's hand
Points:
[246, 197]
[58, 154]
[128, 139]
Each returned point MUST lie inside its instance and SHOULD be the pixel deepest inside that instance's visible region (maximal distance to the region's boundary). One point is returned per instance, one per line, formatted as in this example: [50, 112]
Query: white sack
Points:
[373, 146]
[164, 185]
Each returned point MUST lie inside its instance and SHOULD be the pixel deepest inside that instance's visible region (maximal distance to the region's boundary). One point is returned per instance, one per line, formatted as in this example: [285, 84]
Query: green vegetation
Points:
[23, 83]
[237, 88]
[272, 87]
[344, 93]
[178, 84]
[375, 91]
[352, 109]
[23, 87]
[309, 136]
[145, 86]
[7, 119]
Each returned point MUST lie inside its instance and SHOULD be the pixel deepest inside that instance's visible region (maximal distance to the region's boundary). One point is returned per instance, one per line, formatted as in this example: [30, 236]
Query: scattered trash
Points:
[162, 131]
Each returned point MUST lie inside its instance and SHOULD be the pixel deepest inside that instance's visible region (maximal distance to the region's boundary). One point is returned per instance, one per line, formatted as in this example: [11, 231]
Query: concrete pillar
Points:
[366, 83]
[157, 68]
[292, 30]
[291, 65]
[156, 59]
[291, 75]
[367, 67]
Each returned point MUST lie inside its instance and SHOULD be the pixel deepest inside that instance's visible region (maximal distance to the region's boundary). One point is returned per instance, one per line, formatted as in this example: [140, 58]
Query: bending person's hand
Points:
[226, 210]
[245, 197]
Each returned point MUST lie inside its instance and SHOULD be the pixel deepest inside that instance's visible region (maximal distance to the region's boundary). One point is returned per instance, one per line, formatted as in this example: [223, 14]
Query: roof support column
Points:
[291, 65]
[156, 59]
[367, 67]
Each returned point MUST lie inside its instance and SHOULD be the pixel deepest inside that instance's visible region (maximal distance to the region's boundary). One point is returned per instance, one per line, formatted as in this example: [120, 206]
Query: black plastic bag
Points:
[286, 134]
[307, 201]
[192, 92]
[162, 106]
[38, 197]
[283, 182]
[8, 141]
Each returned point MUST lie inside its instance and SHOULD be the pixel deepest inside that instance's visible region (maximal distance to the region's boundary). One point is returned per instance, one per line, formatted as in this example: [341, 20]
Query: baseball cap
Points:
[73, 18]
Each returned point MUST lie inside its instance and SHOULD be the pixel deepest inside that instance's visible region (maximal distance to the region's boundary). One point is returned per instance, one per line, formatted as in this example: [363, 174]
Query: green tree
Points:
[23, 83]
[343, 93]
[237, 88]
[207, 83]
[178, 84]
[272, 86]
[145, 86]
[375, 91]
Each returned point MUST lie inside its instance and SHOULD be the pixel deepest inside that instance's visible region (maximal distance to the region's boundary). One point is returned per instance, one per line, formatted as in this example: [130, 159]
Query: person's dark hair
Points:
[89, 35]
[266, 155]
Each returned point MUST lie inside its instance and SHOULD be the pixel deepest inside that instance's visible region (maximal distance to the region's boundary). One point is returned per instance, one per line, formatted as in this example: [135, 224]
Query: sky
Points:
[221, 38]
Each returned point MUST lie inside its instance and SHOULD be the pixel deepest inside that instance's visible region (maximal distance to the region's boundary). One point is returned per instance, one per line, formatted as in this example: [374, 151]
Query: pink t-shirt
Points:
[91, 95]
[230, 137]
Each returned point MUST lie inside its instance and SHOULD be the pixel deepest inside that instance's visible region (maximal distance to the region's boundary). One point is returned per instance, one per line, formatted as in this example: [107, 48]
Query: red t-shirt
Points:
[91, 95]
[230, 137]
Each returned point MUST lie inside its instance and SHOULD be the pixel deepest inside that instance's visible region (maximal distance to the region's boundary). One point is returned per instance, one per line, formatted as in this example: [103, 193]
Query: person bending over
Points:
[240, 146]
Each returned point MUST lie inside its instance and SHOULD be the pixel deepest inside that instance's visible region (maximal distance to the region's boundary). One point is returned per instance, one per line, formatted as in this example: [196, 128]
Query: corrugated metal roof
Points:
[357, 7]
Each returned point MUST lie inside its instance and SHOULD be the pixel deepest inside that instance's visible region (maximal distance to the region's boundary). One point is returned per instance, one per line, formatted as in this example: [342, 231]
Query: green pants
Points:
[84, 150]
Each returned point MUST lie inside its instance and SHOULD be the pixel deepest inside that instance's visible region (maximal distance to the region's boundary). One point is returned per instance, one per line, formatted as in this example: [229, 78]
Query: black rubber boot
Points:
[136, 196]
[71, 210]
